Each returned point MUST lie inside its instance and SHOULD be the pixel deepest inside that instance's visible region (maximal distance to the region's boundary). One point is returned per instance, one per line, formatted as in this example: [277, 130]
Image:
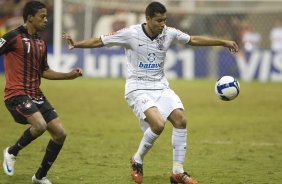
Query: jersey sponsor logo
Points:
[150, 66]
[2, 41]
[151, 57]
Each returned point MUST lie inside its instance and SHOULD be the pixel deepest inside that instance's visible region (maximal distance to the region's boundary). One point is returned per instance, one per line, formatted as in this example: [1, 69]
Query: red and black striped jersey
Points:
[25, 59]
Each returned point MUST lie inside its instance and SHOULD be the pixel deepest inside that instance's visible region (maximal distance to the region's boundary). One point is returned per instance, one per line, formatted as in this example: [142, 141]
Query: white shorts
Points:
[165, 100]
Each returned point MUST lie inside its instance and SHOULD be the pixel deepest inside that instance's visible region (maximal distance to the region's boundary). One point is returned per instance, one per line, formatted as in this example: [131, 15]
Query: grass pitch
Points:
[236, 142]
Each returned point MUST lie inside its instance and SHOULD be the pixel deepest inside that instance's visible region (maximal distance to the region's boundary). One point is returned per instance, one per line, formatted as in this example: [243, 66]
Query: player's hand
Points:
[69, 40]
[232, 46]
[76, 72]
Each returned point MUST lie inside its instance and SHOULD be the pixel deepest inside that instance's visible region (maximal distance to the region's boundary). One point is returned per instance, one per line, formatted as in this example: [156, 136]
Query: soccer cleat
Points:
[8, 162]
[183, 178]
[136, 171]
[44, 180]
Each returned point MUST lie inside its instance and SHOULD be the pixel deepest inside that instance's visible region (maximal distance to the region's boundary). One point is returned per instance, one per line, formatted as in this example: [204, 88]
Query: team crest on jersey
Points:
[40, 45]
[2, 41]
[160, 42]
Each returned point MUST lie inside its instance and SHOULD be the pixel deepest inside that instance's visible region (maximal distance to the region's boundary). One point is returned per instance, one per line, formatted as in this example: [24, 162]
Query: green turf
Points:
[237, 142]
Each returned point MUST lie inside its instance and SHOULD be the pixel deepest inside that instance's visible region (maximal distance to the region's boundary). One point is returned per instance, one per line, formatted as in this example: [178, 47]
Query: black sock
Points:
[50, 156]
[23, 141]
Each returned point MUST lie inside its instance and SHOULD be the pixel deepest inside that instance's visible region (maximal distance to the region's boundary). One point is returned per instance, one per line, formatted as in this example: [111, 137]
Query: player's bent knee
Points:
[183, 123]
[158, 128]
[38, 129]
[180, 123]
[60, 137]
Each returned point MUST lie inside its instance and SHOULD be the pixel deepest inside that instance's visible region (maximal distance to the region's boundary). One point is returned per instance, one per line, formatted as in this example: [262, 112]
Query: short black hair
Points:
[155, 7]
[31, 8]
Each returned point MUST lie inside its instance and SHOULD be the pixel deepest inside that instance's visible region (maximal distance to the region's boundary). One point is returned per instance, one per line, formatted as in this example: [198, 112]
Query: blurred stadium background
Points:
[237, 142]
[255, 25]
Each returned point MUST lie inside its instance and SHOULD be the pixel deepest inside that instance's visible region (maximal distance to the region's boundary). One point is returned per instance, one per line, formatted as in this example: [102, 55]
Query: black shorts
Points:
[23, 106]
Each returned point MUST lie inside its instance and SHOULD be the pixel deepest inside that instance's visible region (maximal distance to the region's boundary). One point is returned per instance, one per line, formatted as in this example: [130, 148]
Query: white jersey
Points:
[145, 56]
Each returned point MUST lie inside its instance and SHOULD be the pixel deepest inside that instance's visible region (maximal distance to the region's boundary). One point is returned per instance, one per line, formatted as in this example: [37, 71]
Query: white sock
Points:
[179, 137]
[145, 145]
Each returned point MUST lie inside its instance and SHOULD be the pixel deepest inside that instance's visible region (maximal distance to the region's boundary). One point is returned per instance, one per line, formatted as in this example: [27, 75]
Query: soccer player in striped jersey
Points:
[25, 63]
[147, 90]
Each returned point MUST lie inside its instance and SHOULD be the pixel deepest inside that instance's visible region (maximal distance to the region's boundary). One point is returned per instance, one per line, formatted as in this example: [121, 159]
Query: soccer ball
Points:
[227, 88]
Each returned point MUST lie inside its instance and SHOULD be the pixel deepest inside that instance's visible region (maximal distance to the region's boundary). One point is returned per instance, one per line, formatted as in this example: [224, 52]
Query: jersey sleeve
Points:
[180, 36]
[6, 42]
[119, 38]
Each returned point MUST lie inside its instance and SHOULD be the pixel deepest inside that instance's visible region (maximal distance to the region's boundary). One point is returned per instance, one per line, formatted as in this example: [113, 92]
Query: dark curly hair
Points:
[31, 8]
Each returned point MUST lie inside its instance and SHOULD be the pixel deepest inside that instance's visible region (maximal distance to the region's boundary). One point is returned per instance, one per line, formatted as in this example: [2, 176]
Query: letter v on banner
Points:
[247, 69]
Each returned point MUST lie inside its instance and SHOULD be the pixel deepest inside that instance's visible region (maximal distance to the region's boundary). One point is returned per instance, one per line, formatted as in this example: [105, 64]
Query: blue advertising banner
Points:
[186, 63]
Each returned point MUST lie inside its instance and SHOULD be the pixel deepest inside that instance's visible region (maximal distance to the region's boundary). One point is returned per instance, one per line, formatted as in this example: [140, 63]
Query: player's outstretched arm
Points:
[207, 41]
[53, 75]
[89, 43]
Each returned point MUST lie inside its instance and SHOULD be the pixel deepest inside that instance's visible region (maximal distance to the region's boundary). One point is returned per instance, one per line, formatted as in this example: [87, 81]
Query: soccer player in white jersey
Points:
[147, 90]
